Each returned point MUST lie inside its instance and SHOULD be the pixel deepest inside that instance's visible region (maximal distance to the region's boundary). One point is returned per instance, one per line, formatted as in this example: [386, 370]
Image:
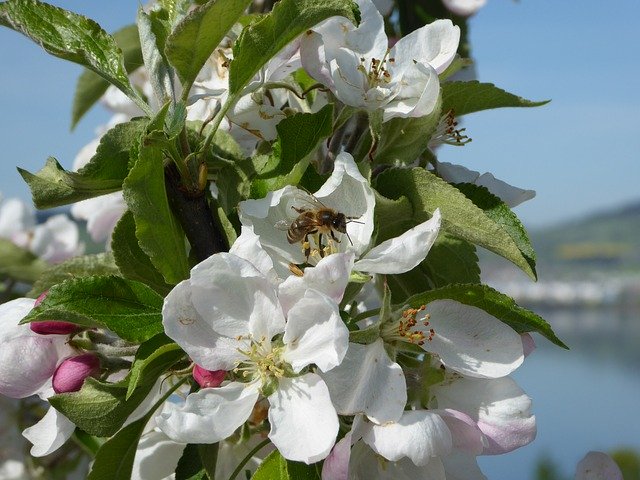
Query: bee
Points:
[318, 219]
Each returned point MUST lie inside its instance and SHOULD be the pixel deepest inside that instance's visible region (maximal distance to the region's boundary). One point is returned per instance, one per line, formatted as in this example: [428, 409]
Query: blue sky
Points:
[581, 152]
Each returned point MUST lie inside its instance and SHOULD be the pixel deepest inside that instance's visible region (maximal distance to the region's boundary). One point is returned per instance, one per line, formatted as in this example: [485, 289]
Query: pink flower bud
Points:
[71, 373]
[53, 327]
[208, 378]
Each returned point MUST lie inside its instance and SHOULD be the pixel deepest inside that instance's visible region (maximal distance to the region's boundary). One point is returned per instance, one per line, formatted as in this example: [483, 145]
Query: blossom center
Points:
[377, 73]
[403, 330]
[263, 361]
[447, 132]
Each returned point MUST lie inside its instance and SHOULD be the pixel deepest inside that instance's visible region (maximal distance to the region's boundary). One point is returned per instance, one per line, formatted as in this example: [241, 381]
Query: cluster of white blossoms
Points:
[285, 350]
[290, 338]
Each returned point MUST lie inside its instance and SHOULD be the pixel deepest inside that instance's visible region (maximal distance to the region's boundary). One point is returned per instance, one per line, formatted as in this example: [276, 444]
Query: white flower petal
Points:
[365, 465]
[347, 191]
[101, 213]
[512, 196]
[186, 326]
[235, 298]
[248, 246]
[464, 8]
[303, 422]
[210, 415]
[419, 435]
[368, 381]
[156, 457]
[401, 254]
[330, 276]
[315, 333]
[501, 409]
[598, 466]
[56, 240]
[418, 96]
[435, 44]
[15, 217]
[462, 466]
[50, 433]
[470, 341]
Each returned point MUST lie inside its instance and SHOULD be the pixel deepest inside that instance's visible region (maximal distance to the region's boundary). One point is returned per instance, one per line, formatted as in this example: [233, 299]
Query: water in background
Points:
[587, 398]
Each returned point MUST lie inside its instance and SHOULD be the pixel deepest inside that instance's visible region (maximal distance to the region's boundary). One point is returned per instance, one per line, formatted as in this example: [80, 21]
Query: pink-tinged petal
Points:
[419, 435]
[347, 191]
[435, 44]
[53, 328]
[50, 433]
[501, 409]
[336, 465]
[330, 276]
[401, 254]
[462, 466]
[368, 381]
[464, 8]
[465, 433]
[27, 360]
[315, 333]
[195, 336]
[210, 415]
[470, 341]
[234, 298]
[157, 456]
[528, 344]
[304, 423]
[598, 466]
[208, 378]
[72, 372]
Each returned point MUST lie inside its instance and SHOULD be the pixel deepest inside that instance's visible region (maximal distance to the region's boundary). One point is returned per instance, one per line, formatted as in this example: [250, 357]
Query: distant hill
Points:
[604, 243]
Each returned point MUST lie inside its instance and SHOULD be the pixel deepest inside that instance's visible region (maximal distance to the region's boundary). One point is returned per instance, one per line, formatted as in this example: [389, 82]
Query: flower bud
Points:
[71, 373]
[208, 378]
[53, 327]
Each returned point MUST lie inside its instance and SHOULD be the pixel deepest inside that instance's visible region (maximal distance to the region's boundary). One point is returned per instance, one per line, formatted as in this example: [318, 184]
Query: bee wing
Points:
[307, 200]
[283, 225]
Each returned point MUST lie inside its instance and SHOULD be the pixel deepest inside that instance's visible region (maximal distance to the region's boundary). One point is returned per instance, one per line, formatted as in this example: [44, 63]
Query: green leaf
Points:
[130, 309]
[71, 37]
[450, 260]
[460, 216]
[99, 408]
[114, 460]
[500, 213]
[152, 359]
[275, 467]
[190, 465]
[159, 233]
[198, 34]
[91, 86]
[473, 96]
[262, 40]
[493, 302]
[298, 136]
[404, 139]
[18, 263]
[77, 267]
[54, 186]
[153, 32]
[131, 261]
